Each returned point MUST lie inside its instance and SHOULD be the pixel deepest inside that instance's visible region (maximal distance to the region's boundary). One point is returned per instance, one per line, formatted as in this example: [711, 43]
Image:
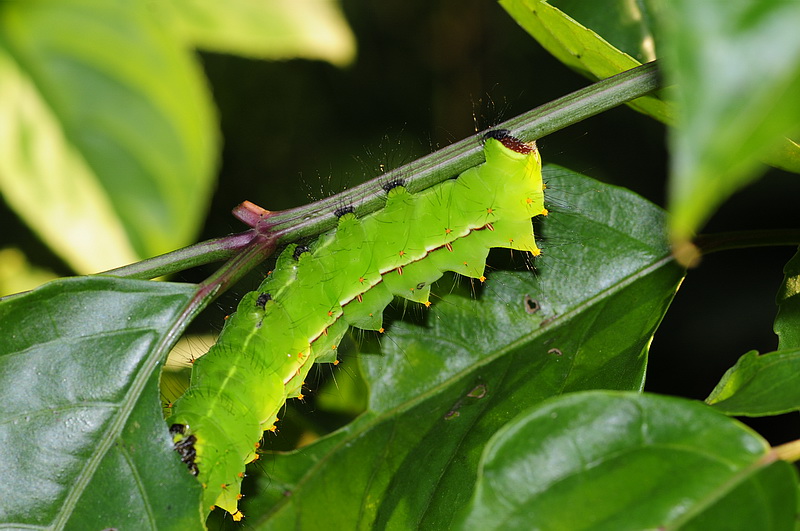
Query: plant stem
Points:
[310, 220]
[789, 451]
[725, 241]
[191, 256]
[258, 250]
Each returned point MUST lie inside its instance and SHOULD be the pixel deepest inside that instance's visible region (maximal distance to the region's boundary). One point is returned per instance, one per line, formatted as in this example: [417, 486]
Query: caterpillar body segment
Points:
[346, 278]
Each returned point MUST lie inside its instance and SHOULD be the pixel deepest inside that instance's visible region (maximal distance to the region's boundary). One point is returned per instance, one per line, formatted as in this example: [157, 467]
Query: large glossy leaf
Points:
[84, 443]
[582, 320]
[737, 65]
[108, 142]
[603, 460]
[274, 29]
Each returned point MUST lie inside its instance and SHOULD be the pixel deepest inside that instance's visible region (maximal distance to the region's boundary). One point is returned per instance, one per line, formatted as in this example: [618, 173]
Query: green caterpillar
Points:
[346, 278]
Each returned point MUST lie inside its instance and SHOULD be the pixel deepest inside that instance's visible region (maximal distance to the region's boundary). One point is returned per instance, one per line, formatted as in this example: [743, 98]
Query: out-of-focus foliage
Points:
[16, 274]
[109, 141]
[733, 71]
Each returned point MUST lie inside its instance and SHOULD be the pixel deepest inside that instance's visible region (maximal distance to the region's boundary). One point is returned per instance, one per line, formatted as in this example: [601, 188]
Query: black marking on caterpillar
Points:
[341, 211]
[497, 134]
[346, 278]
[185, 446]
[262, 300]
[391, 185]
[300, 249]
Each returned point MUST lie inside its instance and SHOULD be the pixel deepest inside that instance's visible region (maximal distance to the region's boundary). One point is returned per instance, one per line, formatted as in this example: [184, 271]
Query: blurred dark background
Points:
[297, 131]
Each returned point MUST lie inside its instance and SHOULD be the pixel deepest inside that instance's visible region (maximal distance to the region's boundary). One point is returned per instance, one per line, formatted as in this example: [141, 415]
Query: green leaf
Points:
[760, 385]
[600, 42]
[787, 322]
[313, 29]
[108, 145]
[84, 442]
[583, 319]
[768, 384]
[603, 460]
[737, 67]
[625, 25]
[584, 50]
